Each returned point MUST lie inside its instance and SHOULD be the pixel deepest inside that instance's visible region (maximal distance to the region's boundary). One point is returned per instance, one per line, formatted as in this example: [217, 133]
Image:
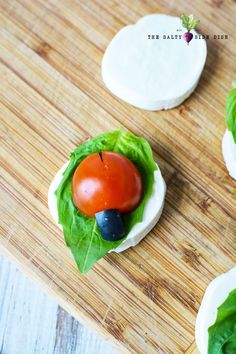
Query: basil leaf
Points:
[222, 335]
[81, 232]
[231, 112]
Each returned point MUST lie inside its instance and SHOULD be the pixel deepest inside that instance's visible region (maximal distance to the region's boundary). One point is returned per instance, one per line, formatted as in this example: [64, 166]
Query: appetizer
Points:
[107, 197]
[215, 329]
[149, 65]
[229, 139]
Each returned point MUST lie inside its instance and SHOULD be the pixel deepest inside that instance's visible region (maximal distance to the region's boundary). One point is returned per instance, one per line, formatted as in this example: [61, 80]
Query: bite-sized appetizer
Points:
[107, 197]
[229, 139]
[215, 329]
[150, 65]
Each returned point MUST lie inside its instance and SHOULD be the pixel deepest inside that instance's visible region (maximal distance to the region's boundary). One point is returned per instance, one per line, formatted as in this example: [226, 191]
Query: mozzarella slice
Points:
[216, 293]
[229, 153]
[152, 211]
[52, 200]
[153, 74]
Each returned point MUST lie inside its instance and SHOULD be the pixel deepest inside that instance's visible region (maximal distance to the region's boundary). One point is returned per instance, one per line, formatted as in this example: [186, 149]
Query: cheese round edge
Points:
[151, 215]
[216, 293]
[152, 210]
[142, 102]
[229, 153]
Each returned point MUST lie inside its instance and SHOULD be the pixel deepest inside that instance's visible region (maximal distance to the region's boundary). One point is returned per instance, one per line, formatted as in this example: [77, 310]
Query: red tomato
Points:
[106, 181]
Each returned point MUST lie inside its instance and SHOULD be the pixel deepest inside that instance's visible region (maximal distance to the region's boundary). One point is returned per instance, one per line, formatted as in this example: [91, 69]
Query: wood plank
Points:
[52, 98]
[35, 321]
[21, 312]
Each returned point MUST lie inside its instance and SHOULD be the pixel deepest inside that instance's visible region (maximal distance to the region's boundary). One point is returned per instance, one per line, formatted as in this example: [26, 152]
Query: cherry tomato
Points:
[106, 181]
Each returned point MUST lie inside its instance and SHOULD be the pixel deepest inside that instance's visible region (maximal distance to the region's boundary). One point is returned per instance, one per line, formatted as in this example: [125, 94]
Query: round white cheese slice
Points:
[229, 153]
[152, 211]
[216, 293]
[153, 74]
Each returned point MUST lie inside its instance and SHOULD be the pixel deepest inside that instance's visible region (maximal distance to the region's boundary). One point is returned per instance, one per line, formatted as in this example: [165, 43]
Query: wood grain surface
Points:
[32, 323]
[52, 98]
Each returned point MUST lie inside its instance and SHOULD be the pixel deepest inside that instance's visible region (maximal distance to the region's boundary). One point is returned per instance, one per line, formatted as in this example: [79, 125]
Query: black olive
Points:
[110, 224]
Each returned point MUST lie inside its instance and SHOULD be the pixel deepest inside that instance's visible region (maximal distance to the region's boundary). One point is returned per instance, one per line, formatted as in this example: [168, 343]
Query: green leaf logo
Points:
[188, 22]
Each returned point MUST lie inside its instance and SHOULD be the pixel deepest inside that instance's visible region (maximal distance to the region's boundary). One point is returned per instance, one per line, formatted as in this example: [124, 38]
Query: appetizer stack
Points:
[107, 197]
[229, 139]
[216, 319]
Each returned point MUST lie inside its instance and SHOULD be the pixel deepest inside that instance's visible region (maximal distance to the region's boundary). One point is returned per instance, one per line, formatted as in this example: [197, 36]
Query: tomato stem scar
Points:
[100, 154]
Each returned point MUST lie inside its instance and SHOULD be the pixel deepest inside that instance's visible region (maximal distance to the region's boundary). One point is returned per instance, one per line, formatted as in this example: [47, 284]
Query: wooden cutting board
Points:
[52, 99]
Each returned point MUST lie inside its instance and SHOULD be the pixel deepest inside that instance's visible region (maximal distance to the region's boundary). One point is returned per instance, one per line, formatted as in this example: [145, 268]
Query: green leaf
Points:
[185, 20]
[81, 232]
[193, 24]
[231, 112]
[189, 22]
[222, 335]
